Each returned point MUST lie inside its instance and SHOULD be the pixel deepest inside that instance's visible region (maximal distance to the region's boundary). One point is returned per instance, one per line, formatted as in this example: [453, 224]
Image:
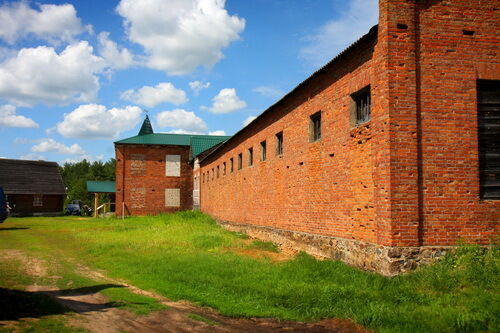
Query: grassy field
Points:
[187, 256]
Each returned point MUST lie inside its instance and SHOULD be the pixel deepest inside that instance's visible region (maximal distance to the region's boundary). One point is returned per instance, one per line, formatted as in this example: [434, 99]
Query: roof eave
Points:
[371, 33]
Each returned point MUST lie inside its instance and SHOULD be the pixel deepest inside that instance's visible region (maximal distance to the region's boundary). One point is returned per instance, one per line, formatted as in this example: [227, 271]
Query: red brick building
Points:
[154, 171]
[383, 157]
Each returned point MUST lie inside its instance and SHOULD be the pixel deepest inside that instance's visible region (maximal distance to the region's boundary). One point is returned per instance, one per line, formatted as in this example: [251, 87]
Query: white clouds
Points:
[33, 157]
[40, 75]
[269, 91]
[248, 120]
[181, 131]
[198, 86]
[89, 158]
[51, 22]
[336, 35]
[180, 35]
[226, 101]
[52, 146]
[182, 120]
[92, 121]
[115, 57]
[152, 96]
[218, 132]
[8, 118]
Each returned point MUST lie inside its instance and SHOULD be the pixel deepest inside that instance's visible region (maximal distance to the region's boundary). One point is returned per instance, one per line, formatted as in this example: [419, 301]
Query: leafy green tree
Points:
[75, 176]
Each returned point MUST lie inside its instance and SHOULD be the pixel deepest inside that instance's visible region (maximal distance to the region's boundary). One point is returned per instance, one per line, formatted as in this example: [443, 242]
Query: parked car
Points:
[77, 207]
[4, 213]
[73, 208]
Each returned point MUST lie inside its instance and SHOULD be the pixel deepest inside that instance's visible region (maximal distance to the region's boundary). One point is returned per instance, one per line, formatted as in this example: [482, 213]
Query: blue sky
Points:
[76, 75]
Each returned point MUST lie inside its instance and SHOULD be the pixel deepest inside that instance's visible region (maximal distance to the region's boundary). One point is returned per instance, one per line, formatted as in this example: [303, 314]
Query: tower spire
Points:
[146, 127]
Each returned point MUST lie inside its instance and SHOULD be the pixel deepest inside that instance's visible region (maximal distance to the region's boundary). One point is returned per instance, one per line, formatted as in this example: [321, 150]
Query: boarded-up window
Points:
[137, 197]
[173, 166]
[172, 197]
[137, 164]
[488, 100]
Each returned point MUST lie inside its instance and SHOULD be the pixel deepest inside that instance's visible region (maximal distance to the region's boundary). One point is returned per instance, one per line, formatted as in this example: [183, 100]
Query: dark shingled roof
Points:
[30, 177]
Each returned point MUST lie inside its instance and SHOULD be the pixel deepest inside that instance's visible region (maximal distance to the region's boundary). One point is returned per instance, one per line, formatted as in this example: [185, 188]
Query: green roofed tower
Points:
[158, 172]
[146, 127]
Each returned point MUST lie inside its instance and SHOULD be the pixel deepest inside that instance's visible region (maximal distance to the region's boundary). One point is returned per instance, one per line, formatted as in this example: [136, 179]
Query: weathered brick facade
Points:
[142, 184]
[405, 180]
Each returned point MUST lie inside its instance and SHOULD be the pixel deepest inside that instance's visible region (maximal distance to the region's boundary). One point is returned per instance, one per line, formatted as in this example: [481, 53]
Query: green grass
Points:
[187, 256]
[264, 246]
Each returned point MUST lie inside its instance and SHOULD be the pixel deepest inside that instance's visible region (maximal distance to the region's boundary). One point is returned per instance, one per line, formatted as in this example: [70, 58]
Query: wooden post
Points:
[96, 202]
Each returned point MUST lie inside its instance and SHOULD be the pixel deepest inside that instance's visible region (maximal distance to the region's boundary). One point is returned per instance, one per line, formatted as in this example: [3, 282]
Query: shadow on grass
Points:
[17, 304]
[14, 228]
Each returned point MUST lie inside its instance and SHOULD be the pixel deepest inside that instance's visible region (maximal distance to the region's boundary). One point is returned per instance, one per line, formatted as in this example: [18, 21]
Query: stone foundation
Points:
[385, 260]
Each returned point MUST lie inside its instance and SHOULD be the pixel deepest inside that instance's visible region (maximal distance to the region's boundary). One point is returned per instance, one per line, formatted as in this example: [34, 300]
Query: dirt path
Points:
[94, 312]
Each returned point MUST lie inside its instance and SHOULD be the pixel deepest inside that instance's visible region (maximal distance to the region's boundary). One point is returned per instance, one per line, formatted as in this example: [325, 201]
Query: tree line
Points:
[75, 176]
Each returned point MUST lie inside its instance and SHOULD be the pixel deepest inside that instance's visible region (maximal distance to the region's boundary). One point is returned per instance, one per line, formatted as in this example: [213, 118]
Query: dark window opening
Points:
[224, 168]
[263, 151]
[250, 156]
[37, 200]
[231, 164]
[488, 100]
[362, 100]
[402, 26]
[315, 127]
[468, 32]
[240, 161]
[218, 171]
[279, 143]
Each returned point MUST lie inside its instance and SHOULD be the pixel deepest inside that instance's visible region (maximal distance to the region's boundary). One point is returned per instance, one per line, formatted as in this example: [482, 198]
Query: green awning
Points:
[101, 186]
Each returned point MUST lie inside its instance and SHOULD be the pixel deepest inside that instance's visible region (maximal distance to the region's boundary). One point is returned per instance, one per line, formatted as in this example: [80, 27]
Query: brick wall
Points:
[323, 187]
[449, 64]
[409, 177]
[140, 170]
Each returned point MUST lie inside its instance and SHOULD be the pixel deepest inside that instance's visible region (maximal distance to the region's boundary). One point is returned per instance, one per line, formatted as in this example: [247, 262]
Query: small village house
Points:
[32, 187]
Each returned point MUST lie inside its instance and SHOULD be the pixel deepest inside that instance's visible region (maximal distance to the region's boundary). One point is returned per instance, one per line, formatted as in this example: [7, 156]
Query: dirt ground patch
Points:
[92, 310]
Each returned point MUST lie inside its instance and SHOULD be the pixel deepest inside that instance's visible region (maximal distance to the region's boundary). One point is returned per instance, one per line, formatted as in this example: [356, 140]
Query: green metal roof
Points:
[101, 186]
[198, 143]
[201, 144]
[158, 139]
[146, 127]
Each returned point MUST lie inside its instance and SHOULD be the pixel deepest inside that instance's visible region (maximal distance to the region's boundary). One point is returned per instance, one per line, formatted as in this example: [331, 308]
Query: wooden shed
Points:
[32, 187]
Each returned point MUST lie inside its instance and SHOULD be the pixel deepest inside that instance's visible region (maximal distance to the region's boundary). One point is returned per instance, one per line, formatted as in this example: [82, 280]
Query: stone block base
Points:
[385, 260]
